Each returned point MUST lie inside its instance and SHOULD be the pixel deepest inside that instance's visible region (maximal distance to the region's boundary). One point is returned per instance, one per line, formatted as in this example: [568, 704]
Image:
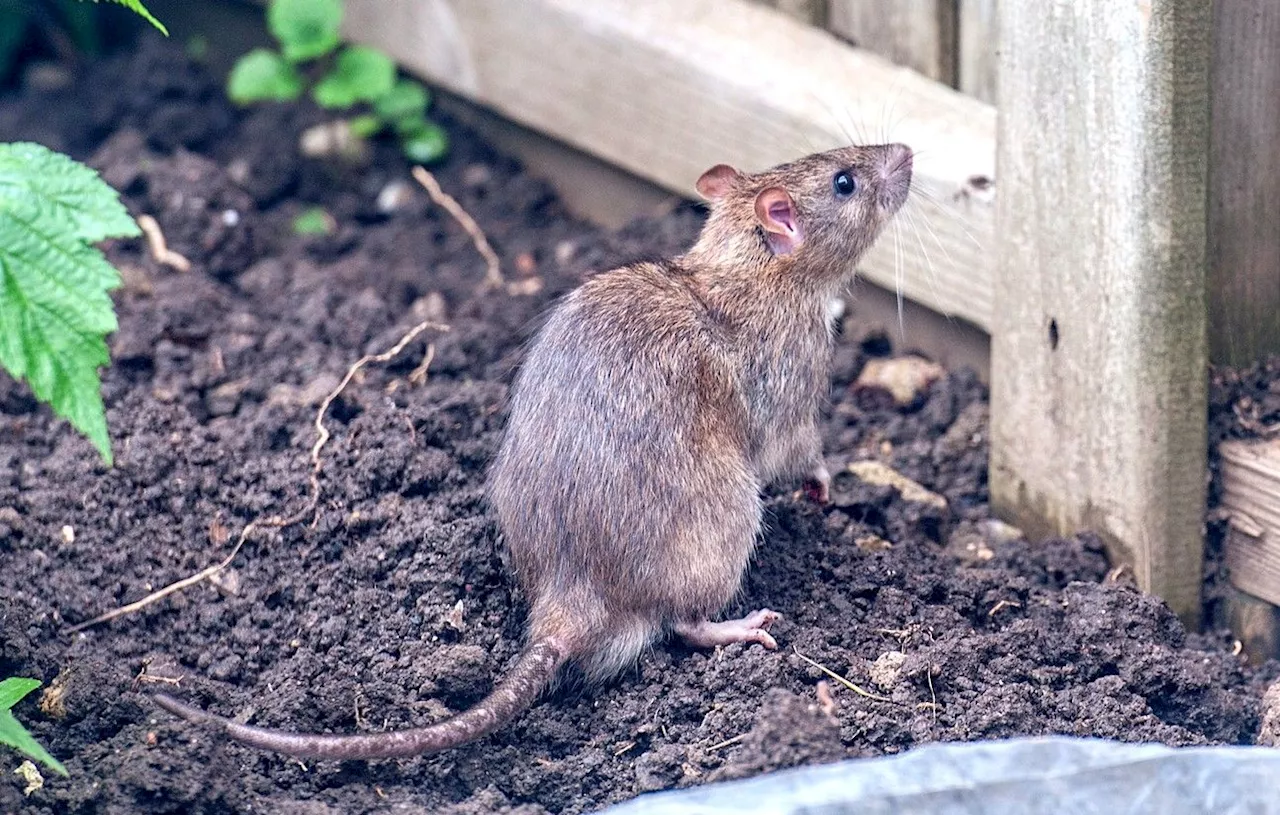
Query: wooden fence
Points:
[1107, 232]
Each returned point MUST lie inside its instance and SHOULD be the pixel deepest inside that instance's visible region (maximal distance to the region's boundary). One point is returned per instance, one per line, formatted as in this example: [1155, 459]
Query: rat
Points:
[652, 407]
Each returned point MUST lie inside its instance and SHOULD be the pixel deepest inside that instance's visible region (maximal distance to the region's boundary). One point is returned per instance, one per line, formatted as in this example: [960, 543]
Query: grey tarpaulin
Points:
[1026, 776]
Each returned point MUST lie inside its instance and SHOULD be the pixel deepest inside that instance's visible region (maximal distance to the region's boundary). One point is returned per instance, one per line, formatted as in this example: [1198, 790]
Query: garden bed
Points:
[391, 605]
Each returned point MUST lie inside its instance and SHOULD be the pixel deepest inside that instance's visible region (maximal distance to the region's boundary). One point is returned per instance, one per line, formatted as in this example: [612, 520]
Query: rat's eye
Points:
[844, 184]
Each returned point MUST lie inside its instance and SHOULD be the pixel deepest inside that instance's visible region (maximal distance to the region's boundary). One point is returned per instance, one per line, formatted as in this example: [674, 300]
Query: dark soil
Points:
[391, 605]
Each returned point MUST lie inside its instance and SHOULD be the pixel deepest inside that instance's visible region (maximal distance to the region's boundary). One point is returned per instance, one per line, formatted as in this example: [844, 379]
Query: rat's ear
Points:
[776, 212]
[715, 183]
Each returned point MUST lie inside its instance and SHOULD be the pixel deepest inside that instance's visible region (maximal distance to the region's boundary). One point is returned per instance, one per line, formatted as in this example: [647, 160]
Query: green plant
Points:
[54, 308]
[354, 76]
[55, 312]
[74, 17]
[313, 221]
[12, 733]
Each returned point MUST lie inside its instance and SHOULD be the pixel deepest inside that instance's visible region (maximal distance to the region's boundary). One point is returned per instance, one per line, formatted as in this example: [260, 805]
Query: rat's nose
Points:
[895, 176]
[897, 159]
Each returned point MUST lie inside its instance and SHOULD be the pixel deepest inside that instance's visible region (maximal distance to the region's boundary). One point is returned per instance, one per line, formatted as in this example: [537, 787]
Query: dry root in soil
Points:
[493, 279]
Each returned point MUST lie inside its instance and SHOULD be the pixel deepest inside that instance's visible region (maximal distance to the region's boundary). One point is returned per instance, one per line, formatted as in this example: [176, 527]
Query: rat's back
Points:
[626, 428]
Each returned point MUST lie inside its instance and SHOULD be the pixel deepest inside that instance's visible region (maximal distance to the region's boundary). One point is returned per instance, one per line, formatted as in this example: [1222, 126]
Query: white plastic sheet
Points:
[1033, 776]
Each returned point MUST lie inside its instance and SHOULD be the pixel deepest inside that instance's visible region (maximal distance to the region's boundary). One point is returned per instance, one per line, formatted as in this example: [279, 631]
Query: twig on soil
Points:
[418, 375]
[727, 743]
[493, 278]
[144, 678]
[842, 680]
[933, 697]
[1003, 604]
[322, 432]
[899, 634]
[159, 249]
[203, 574]
[277, 522]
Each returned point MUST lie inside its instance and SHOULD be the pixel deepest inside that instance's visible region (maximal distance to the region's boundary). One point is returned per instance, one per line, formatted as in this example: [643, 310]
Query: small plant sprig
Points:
[72, 17]
[12, 733]
[356, 76]
[54, 308]
[313, 221]
[137, 8]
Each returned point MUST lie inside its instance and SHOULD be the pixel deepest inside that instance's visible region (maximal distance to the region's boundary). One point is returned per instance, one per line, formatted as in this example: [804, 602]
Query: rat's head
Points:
[821, 212]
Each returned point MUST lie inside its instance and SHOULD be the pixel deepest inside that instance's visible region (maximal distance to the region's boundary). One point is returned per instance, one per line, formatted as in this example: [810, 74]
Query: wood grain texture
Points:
[1099, 345]
[1251, 496]
[920, 34]
[813, 12]
[668, 88]
[1244, 183]
[976, 58]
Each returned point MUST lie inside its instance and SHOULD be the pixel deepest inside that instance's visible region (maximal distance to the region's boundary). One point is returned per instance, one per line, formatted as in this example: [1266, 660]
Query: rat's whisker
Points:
[931, 277]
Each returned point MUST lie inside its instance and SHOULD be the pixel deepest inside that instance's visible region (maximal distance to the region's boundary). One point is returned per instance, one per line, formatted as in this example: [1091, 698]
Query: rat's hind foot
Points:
[751, 628]
[817, 486]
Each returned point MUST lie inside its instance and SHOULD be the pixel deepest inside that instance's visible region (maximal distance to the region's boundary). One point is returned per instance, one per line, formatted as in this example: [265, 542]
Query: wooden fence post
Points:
[1244, 182]
[920, 34]
[1099, 342]
[976, 60]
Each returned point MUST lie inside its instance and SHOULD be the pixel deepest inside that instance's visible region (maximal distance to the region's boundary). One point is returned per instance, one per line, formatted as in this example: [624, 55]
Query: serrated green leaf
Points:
[360, 74]
[425, 144]
[137, 8]
[406, 102]
[63, 193]
[305, 29]
[260, 75]
[12, 732]
[54, 306]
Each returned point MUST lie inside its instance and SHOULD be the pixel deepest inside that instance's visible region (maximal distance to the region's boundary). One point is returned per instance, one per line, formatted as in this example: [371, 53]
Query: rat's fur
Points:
[653, 406]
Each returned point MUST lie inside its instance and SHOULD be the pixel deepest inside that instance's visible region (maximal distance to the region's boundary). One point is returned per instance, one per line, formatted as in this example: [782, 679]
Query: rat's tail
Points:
[531, 675]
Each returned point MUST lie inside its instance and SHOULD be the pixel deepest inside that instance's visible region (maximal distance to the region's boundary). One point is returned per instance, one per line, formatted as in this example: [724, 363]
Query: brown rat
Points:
[653, 406]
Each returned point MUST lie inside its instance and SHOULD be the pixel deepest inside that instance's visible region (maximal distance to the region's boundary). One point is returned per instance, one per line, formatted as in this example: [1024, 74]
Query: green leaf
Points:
[425, 144]
[405, 103]
[360, 74]
[54, 306]
[313, 221]
[141, 10]
[68, 196]
[365, 126]
[12, 732]
[306, 29]
[262, 74]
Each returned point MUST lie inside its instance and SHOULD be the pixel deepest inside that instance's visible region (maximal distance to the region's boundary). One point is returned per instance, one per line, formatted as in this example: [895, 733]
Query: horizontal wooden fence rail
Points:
[668, 88]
